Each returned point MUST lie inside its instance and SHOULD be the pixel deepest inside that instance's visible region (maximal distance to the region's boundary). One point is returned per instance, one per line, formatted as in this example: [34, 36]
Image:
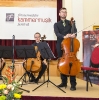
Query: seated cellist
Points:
[37, 37]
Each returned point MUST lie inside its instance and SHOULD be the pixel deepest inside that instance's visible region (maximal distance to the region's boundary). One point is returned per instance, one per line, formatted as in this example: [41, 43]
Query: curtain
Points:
[59, 5]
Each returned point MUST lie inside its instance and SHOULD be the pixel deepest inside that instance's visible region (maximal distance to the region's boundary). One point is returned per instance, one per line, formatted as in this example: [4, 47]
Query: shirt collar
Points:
[62, 20]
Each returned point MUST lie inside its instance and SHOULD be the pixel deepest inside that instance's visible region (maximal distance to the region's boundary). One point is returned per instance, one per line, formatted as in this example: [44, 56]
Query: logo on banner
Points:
[10, 17]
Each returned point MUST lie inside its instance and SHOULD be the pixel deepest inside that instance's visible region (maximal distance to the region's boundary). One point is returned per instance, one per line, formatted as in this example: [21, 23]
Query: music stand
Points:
[5, 52]
[46, 54]
[25, 51]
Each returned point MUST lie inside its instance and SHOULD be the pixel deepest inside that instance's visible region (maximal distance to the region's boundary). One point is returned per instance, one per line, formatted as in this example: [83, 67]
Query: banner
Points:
[23, 18]
[90, 39]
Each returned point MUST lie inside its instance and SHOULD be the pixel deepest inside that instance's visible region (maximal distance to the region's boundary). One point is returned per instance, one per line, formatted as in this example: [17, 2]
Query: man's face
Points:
[63, 14]
[37, 37]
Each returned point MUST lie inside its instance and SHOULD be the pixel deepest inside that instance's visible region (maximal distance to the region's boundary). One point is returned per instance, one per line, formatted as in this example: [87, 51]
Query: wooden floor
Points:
[52, 90]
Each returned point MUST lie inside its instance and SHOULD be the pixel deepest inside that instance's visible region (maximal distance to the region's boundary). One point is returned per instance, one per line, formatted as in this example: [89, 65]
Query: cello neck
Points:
[71, 44]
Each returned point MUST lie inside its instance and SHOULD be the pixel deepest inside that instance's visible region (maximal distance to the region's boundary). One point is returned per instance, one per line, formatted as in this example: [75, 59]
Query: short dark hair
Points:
[63, 8]
[37, 33]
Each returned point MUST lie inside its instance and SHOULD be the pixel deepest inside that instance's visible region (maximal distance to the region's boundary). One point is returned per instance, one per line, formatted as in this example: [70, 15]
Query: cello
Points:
[68, 64]
[34, 64]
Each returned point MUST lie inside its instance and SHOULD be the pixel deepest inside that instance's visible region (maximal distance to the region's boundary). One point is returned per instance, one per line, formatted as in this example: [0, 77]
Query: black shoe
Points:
[32, 80]
[36, 80]
[62, 85]
[0, 78]
[73, 88]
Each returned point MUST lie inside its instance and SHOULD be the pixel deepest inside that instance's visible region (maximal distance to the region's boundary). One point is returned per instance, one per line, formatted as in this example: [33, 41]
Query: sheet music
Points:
[45, 50]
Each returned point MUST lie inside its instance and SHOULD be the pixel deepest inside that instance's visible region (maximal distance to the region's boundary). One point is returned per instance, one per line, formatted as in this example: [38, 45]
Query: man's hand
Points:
[45, 62]
[73, 35]
[67, 36]
[3, 59]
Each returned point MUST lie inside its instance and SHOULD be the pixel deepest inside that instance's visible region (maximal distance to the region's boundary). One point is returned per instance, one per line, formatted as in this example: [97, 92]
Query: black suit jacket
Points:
[61, 31]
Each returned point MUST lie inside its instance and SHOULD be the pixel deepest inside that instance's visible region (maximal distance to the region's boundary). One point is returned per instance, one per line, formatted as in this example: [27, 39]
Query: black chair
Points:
[87, 72]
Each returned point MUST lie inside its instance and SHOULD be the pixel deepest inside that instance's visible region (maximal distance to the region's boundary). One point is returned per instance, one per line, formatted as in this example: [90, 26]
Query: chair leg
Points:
[44, 77]
[87, 77]
[88, 80]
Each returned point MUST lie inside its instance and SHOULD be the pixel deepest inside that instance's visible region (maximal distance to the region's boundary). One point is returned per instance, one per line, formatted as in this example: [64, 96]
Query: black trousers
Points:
[59, 51]
[40, 73]
[42, 70]
[72, 79]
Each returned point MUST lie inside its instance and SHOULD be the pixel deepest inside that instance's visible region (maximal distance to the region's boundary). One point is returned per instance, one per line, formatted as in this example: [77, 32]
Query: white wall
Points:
[85, 13]
[68, 5]
[91, 13]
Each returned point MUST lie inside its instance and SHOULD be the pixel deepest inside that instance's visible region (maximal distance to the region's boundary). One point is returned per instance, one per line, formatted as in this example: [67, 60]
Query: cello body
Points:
[34, 64]
[68, 64]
